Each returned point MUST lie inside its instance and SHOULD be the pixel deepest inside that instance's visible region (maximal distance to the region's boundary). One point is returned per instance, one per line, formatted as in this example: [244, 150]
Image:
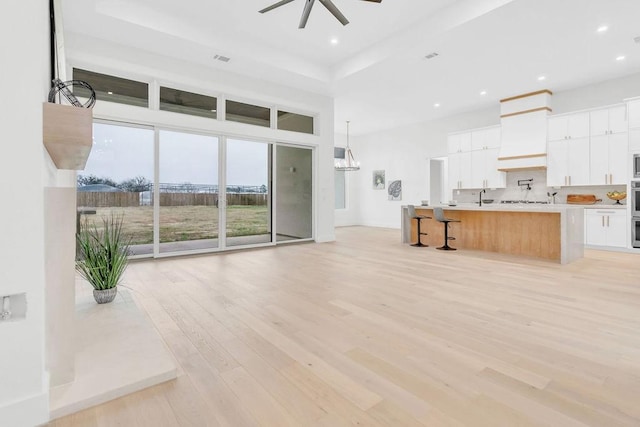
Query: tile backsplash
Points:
[538, 190]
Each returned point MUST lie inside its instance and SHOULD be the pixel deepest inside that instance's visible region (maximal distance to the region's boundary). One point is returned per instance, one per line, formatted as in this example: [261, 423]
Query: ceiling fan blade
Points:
[305, 13]
[335, 11]
[273, 6]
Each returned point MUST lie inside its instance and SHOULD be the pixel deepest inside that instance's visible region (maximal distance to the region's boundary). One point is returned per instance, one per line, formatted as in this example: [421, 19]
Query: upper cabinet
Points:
[568, 162]
[609, 121]
[484, 139]
[634, 114]
[459, 142]
[569, 126]
[460, 170]
[473, 159]
[485, 145]
[608, 147]
[588, 148]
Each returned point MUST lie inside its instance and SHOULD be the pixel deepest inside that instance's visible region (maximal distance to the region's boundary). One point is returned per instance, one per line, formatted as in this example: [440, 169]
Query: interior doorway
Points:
[294, 193]
[438, 177]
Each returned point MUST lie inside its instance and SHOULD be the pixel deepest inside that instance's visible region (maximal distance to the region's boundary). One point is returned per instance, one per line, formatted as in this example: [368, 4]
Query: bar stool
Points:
[413, 215]
[439, 214]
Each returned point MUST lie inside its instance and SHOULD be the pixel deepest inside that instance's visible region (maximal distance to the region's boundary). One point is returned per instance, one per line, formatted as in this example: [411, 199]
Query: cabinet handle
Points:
[607, 220]
[606, 178]
[603, 220]
[610, 178]
[569, 179]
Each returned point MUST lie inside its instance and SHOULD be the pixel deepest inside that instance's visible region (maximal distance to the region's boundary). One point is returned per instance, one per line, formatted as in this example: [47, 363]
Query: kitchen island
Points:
[550, 232]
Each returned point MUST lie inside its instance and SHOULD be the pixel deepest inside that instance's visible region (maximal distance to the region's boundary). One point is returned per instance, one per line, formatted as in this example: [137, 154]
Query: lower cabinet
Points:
[606, 227]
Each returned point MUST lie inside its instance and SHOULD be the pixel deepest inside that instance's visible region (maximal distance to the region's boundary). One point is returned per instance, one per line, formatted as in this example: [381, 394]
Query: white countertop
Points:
[520, 207]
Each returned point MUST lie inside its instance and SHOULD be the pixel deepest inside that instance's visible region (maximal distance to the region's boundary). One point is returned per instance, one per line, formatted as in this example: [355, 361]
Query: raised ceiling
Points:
[377, 72]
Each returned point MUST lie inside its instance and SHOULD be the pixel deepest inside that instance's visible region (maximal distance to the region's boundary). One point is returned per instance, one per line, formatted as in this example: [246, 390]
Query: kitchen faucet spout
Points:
[484, 190]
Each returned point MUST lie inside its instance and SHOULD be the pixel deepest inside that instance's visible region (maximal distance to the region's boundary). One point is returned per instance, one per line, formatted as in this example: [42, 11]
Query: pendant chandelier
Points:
[348, 163]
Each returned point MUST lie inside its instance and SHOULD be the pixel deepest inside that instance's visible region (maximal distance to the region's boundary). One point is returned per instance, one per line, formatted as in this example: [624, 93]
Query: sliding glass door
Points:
[248, 195]
[188, 192]
[117, 181]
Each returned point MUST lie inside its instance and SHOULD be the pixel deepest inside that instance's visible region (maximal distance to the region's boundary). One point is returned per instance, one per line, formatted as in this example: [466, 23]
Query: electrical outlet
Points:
[13, 307]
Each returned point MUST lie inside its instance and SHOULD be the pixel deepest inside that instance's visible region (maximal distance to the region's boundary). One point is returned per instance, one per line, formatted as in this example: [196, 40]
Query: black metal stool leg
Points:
[419, 243]
[446, 246]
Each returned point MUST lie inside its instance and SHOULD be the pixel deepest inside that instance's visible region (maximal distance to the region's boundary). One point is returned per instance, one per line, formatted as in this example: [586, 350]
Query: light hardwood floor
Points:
[367, 331]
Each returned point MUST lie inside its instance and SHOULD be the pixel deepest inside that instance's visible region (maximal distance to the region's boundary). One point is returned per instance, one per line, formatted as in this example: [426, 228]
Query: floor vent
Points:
[222, 58]
[432, 55]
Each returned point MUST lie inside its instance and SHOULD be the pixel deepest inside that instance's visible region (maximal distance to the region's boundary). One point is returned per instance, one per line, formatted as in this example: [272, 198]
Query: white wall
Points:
[405, 152]
[25, 75]
[123, 61]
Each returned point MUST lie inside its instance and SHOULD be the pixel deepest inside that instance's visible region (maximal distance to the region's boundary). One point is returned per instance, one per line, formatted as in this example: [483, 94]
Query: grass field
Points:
[183, 223]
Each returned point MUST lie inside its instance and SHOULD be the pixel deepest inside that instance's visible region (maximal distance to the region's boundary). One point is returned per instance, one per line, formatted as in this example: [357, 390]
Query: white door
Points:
[578, 125]
[557, 161]
[465, 169]
[618, 145]
[495, 178]
[596, 229]
[599, 150]
[557, 128]
[600, 122]
[579, 161]
[454, 171]
[618, 119]
[478, 168]
[617, 230]
[634, 114]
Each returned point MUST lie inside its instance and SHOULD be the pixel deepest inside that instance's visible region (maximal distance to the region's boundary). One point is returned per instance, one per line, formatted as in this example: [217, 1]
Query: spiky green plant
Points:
[102, 252]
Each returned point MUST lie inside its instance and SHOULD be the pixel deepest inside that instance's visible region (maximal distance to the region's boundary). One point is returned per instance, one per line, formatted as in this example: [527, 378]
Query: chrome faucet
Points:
[484, 190]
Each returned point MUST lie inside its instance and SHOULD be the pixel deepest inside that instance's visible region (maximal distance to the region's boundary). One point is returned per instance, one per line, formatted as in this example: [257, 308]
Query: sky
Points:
[123, 152]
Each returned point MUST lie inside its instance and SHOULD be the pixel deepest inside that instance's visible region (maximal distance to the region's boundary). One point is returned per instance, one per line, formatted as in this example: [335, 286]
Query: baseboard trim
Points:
[29, 412]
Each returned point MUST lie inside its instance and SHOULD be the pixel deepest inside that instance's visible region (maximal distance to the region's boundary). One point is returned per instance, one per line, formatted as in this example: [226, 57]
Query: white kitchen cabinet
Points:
[634, 140]
[569, 126]
[634, 114]
[608, 121]
[609, 159]
[568, 162]
[606, 227]
[484, 169]
[484, 139]
[459, 142]
[485, 144]
[460, 170]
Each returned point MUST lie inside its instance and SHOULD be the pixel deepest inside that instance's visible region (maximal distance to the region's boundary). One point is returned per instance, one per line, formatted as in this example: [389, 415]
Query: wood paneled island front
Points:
[549, 232]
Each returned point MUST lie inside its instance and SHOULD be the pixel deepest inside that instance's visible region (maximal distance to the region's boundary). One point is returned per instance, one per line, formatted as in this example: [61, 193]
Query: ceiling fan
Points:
[307, 10]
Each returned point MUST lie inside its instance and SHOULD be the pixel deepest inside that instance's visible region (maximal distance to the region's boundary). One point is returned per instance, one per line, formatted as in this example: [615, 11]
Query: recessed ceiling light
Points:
[541, 78]
[110, 93]
[335, 41]
[602, 28]
[621, 58]
[483, 93]
[436, 105]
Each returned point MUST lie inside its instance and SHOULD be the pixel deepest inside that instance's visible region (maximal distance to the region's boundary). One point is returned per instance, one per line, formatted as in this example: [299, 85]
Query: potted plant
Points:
[102, 256]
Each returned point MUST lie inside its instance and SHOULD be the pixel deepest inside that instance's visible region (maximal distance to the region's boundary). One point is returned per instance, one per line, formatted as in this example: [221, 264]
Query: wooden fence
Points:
[102, 199]
[133, 199]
